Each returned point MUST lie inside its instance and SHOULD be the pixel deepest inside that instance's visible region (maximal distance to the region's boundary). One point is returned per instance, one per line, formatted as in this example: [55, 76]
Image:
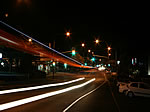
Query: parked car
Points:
[122, 87]
[138, 89]
[122, 82]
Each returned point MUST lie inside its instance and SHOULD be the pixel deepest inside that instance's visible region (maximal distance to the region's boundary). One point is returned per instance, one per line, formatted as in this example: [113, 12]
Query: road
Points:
[97, 96]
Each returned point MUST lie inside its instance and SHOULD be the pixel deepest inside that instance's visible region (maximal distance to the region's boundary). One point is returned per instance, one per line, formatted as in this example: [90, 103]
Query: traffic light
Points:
[54, 63]
[85, 64]
[65, 65]
[73, 52]
[93, 59]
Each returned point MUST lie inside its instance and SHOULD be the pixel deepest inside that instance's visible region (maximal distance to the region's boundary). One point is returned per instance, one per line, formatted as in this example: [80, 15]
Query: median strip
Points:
[39, 97]
[39, 87]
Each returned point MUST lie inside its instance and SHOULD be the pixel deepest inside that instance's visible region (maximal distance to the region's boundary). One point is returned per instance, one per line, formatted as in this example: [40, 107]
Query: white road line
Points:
[83, 97]
[39, 87]
[39, 97]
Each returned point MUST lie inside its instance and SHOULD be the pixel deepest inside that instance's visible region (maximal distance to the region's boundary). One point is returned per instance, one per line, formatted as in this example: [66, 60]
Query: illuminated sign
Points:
[0, 55]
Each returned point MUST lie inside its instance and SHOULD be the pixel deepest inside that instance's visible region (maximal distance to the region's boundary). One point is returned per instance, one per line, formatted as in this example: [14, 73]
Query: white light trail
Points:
[39, 87]
[3, 38]
[82, 97]
[39, 97]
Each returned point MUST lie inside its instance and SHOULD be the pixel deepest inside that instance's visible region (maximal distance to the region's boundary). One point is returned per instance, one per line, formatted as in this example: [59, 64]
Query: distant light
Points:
[89, 50]
[73, 52]
[109, 54]
[6, 15]
[135, 60]
[101, 68]
[97, 65]
[118, 62]
[108, 65]
[97, 41]
[85, 64]
[65, 65]
[82, 44]
[54, 63]
[2, 63]
[67, 34]
[30, 40]
[93, 59]
[109, 48]
[1, 55]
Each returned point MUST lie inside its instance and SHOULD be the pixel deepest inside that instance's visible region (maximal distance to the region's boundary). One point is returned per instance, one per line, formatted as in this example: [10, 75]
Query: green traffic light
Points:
[93, 59]
[73, 52]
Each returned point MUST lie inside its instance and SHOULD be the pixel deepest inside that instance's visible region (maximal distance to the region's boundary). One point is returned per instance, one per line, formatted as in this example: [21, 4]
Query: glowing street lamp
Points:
[67, 34]
[30, 40]
[82, 44]
[89, 50]
[6, 15]
[109, 48]
[97, 41]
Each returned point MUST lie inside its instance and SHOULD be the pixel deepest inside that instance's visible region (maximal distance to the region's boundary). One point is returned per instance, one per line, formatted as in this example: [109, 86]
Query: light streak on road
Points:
[39, 87]
[42, 96]
[66, 109]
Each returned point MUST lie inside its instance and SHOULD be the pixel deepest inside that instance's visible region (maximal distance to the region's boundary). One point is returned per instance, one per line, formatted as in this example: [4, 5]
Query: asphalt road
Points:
[98, 96]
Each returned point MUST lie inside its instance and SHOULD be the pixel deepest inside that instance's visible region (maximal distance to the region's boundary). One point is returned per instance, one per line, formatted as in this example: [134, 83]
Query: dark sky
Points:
[121, 25]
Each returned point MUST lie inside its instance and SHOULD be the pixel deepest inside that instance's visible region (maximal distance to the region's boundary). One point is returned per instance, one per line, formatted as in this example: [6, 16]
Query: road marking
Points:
[39, 97]
[83, 97]
[39, 87]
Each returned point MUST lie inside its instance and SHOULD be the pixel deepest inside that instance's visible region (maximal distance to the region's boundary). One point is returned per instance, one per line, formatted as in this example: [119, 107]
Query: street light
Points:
[30, 40]
[68, 34]
[6, 15]
[89, 51]
[109, 54]
[73, 52]
[97, 41]
[82, 44]
[109, 48]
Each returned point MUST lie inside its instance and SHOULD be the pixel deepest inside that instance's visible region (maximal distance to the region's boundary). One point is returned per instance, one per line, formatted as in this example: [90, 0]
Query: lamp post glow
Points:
[82, 44]
[67, 34]
[89, 50]
[30, 40]
[6, 15]
[97, 41]
[109, 48]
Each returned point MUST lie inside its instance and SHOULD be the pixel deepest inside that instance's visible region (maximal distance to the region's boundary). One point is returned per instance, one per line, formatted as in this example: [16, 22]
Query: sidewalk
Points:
[58, 77]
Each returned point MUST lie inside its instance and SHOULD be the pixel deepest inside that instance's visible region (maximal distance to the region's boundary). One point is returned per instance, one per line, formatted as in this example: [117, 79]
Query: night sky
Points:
[121, 25]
